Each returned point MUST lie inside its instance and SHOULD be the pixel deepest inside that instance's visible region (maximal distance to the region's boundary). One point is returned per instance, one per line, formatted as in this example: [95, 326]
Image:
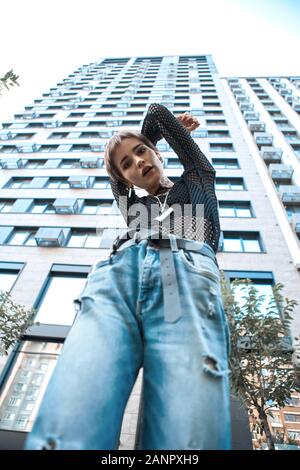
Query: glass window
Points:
[57, 306]
[227, 212]
[20, 400]
[101, 184]
[19, 237]
[89, 209]
[236, 186]
[263, 289]
[232, 244]
[53, 184]
[7, 280]
[5, 206]
[20, 183]
[228, 209]
[76, 240]
[31, 241]
[295, 418]
[247, 242]
[93, 241]
[251, 245]
[38, 208]
[295, 435]
[104, 208]
[243, 212]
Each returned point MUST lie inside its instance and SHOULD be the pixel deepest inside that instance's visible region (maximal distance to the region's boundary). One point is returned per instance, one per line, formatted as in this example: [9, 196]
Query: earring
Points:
[130, 191]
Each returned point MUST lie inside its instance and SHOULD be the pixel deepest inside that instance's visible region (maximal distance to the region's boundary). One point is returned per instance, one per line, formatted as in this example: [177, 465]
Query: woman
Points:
[155, 303]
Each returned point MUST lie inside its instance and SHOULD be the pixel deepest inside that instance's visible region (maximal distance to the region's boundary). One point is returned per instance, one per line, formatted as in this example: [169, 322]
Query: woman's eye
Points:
[142, 149]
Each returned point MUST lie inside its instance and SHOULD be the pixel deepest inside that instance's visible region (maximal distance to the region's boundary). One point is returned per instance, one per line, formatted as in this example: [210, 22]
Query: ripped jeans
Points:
[120, 328]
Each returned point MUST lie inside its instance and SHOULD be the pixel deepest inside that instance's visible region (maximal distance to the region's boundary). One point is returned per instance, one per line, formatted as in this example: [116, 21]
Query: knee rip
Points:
[211, 366]
[51, 444]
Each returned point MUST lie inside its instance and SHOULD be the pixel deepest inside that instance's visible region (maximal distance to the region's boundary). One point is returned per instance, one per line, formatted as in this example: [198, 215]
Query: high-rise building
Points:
[57, 214]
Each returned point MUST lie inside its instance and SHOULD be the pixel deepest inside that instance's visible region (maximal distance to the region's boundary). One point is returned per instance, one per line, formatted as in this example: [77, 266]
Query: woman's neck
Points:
[164, 184]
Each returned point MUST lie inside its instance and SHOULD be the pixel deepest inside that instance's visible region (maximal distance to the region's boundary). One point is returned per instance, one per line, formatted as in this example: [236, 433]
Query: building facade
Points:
[57, 214]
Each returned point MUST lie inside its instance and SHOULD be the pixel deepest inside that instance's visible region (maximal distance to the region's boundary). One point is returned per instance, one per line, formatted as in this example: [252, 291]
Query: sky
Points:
[44, 41]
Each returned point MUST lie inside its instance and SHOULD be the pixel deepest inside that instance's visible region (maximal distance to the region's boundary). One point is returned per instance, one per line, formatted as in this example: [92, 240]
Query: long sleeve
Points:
[160, 122]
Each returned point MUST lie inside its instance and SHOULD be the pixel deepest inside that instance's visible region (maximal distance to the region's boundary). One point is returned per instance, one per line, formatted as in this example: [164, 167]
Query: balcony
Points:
[66, 206]
[11, 163]
[90, 162]
[285, 92]
[296, 106]
[27, 148]
[271, 154]
[31, 115]
[246, 106]
[251, 116]
[51, 124]
[242, 99]
[6, 135]
[295, 222]
[80, 182]
[257, 126]
[263, 138]
[290, 194]
[280, 172]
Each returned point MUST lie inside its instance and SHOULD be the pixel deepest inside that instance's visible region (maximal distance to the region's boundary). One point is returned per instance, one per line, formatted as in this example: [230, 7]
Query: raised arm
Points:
[160, 122]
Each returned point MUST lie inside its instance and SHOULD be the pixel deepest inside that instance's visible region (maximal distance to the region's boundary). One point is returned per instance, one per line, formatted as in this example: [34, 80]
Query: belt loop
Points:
[173, 242]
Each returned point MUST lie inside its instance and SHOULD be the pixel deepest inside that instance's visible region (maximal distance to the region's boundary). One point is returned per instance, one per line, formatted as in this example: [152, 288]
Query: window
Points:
[56, 305]
[263, 289]
[262, 281]
[291, 417]
[233, 184]
[295, 435]
[35, 163]
[95, 207]
[223, 163]
[215, 122]
[5, 206]
[293, 401]
[84, 239]
[8, 149]
[22, 237]
[174, 163]
[48, 148]
[101, 183]
[22, 394]
[55, 183]
[58, 135]
[242, 242]
[69, 164]
[235, 209]
[42, 207]
[8, 276]
[219, 147]
[215, 133]
[17, 183]
[80, 148]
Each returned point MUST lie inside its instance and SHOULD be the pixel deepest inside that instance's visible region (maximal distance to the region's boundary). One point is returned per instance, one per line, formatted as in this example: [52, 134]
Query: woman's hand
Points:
[188, 121]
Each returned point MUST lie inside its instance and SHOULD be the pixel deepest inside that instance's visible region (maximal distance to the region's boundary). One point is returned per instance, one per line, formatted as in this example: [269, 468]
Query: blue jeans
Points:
[120, 328]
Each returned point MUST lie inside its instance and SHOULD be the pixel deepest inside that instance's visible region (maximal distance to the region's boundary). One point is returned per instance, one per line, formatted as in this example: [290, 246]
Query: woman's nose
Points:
[140, 162]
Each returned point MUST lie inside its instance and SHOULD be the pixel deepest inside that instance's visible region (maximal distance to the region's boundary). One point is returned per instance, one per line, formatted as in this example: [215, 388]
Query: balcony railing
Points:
[281, 172]
[290, 194]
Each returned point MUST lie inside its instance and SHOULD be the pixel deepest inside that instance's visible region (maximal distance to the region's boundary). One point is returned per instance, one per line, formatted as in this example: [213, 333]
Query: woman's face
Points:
[139, 165]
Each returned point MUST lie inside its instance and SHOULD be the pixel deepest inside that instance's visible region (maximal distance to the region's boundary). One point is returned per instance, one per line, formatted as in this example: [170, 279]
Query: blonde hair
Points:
[113, 144]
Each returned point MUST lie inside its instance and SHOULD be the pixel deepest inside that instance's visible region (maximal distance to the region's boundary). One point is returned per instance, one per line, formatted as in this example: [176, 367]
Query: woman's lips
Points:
[148, 171]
